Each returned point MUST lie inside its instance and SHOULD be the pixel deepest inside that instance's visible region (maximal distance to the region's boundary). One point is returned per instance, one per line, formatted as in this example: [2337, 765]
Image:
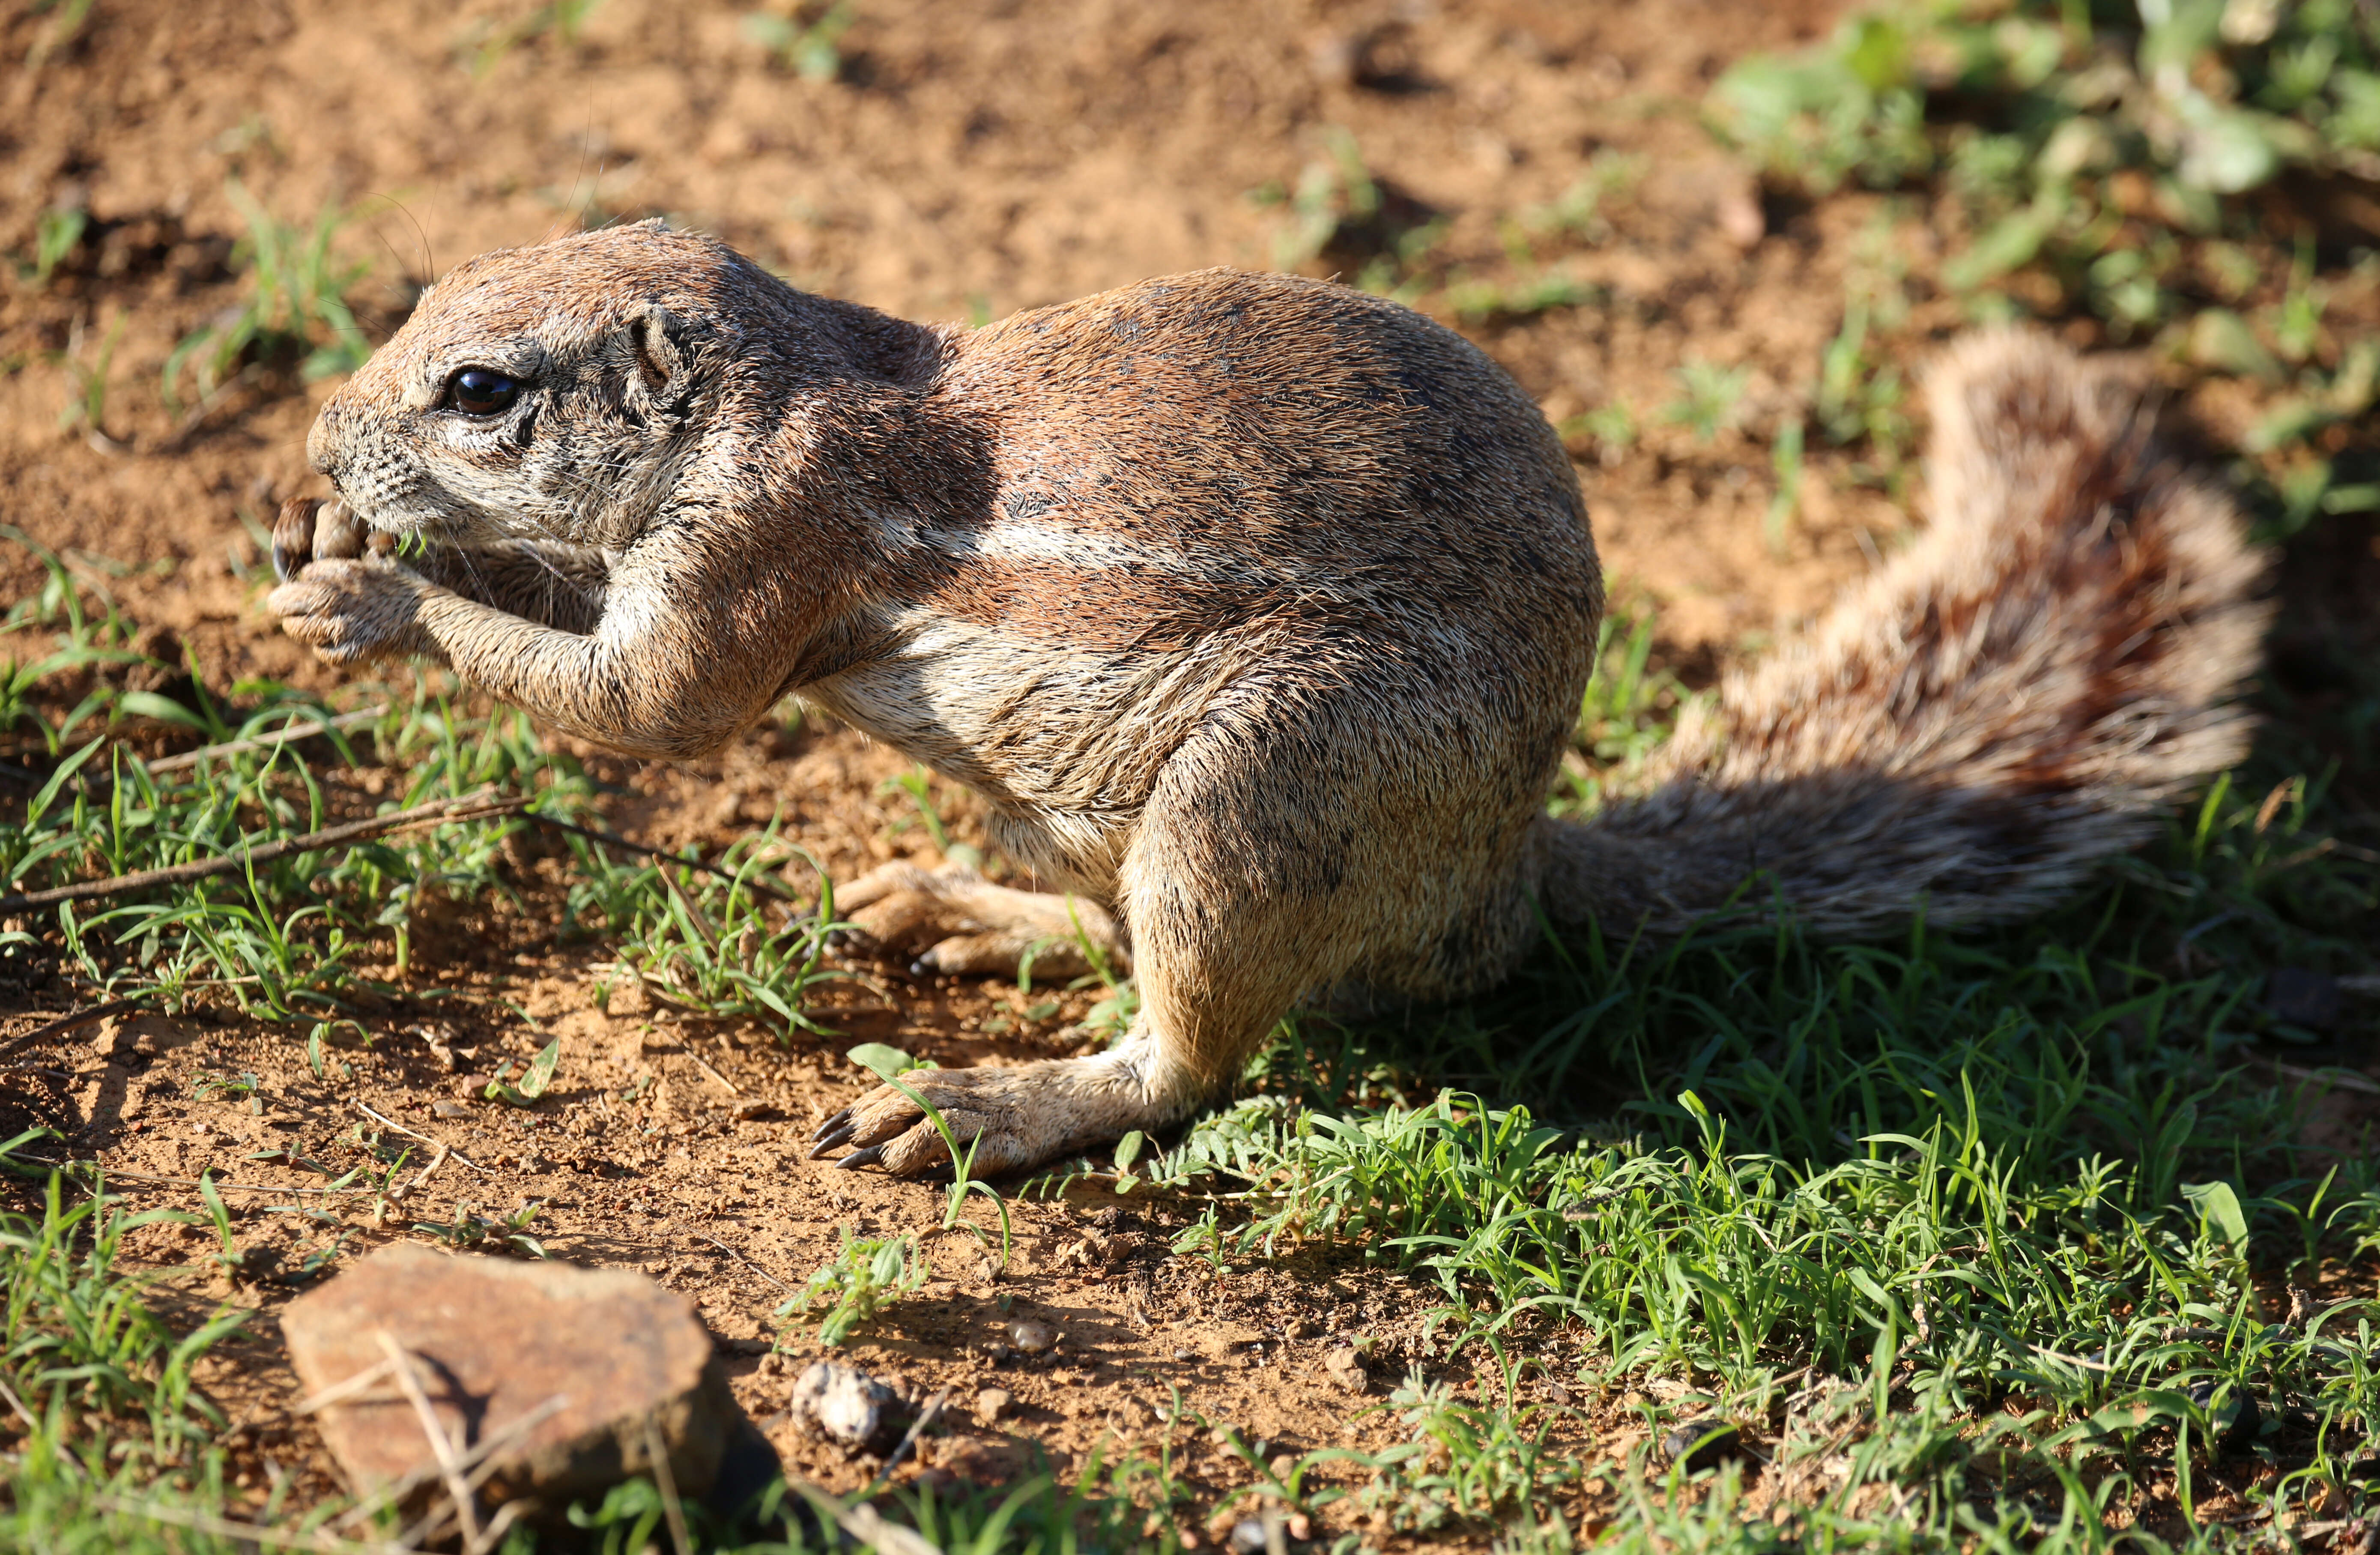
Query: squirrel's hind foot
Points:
[952, 920]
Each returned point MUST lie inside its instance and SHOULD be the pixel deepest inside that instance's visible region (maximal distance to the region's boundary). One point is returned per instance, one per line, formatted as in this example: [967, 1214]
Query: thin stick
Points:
[733, 1088]
[439, 1446]
[2345, 1079]
[401, 1195]
[254, 1533]
[917, 1428]
[409, 1134]
[474, 806]
[263, 742]
[745, 1261]
[91, 1016]
[666, 1483]
[362, 1382]
[628, 845]
[119, 1174]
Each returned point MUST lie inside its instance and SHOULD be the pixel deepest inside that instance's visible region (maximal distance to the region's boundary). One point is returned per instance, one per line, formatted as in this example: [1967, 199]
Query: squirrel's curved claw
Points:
[858, 1159]
[836, 1131]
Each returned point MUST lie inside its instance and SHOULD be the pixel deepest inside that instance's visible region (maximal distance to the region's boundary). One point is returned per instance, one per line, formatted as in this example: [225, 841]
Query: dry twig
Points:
[473, 807]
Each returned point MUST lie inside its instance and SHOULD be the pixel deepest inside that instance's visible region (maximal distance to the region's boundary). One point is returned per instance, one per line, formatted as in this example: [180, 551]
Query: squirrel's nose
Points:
[325, 445]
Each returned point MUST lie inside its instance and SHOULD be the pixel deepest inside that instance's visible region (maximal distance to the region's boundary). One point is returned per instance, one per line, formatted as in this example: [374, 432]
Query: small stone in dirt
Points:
[450, 1109]
[990, 1403]
[749, 1108]
[1557, 1395]
[1247, 1535]
[568, 1363]
[1347, 1369]
[2302, 998]
[999, 1353]
[1185, 1354]
[1032, 1336]
[2240, 1405]
[1700, 1444]
[844, 1405]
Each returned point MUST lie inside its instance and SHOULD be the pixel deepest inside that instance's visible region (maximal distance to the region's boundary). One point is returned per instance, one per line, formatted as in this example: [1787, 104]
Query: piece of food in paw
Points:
[293, 536]
[314, 529]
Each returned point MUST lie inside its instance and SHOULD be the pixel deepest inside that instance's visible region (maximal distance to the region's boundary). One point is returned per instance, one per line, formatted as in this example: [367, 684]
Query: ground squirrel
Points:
[1258, 610]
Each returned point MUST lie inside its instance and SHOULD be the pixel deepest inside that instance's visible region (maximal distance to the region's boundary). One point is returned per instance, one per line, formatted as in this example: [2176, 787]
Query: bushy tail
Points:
[2010, 698]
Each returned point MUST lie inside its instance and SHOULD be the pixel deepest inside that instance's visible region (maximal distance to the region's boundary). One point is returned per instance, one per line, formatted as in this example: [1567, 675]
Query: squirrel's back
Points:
[1221, 446]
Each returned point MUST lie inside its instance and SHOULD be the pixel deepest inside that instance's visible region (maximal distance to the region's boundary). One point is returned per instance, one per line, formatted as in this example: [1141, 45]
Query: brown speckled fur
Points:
[1258, 608]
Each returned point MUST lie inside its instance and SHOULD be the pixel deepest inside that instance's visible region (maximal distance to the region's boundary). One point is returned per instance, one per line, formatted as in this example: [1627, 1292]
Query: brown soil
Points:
[973, 158]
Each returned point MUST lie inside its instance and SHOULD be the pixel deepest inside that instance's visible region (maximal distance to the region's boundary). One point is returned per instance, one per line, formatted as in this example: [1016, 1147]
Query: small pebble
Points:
[2244, 1415]
[990, 1403]
[1247, 1535]
[1699, 1445]
[844, 1405]
[748, 1109]
[1185, 1354]
[1000, 1354]
[450, 1109]
[1032, 1337]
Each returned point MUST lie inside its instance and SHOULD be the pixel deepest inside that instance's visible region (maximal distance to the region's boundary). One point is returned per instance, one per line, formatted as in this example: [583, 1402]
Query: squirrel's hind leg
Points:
[1228, 923]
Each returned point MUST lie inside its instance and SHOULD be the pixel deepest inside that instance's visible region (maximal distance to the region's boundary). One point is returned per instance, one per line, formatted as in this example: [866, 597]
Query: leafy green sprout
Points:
[864, 1277]
[486, 44]
[230, 1261]
[87, 406]
[66, 24]
[508, 1232]
[296, 301]
[56, 233]
[889, 1063]
[811, 49]
[534, 1080]
[917, 784]
[1711, 398]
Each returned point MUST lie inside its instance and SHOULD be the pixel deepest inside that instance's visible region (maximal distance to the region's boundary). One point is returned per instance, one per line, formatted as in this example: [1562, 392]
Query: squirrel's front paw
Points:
[351, 610]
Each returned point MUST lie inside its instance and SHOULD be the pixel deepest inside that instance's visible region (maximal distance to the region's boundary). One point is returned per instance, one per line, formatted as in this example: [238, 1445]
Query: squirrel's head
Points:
[554, 392]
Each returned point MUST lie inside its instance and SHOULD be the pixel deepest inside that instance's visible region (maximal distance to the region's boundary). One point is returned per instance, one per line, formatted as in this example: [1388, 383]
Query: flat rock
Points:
[580, 1372]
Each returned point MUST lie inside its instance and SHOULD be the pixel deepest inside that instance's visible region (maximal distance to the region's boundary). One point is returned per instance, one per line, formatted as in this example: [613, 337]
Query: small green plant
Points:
[87, 406]
[231, 1263]
[534, 1080]
[485, 45]
[918, 784]
[66, 24]
[1610, 427]
[224, 1087]
[1467, 1462]
[1334, 192]
[296, 305]
[499, 1233]
[1711, 398]
[1785, 454]
[866, 1277]
[720, 947]
[889, 1063]
[805, 41]
[55, 233]
[1579, 213]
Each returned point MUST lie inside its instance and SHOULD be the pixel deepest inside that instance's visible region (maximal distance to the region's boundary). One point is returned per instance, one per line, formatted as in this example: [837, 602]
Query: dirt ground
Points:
[973, 158]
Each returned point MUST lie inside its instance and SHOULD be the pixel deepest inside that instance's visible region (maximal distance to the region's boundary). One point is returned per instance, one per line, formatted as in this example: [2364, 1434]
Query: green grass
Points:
[295, 312]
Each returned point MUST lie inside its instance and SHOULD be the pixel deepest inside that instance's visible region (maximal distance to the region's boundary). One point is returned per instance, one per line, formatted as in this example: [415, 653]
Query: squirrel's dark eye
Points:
[479, 392]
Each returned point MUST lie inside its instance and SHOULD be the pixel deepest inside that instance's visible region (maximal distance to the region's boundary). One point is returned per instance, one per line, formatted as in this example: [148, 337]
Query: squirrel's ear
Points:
[662, 346]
